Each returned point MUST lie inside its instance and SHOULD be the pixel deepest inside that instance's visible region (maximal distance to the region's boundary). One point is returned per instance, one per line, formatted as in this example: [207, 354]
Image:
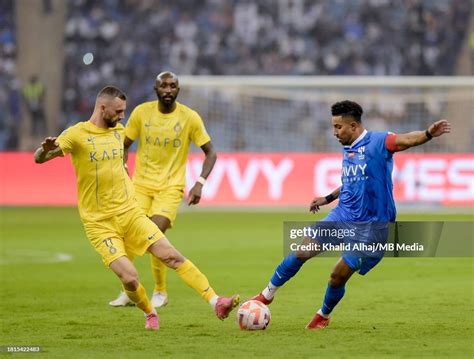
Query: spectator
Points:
[33, 95]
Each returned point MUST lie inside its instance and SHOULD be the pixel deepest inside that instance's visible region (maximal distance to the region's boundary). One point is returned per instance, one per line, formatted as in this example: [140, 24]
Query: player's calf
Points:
[168, 254]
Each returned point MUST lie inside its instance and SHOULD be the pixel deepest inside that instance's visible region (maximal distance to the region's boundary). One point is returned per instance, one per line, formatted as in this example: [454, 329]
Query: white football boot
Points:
[122, 301]
[159, 299]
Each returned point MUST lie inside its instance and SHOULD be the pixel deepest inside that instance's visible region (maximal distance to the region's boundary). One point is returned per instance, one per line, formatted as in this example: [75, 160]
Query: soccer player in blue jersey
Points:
[365, 198]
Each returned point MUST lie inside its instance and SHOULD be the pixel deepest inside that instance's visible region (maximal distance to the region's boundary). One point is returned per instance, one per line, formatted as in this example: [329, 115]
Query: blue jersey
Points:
[367, 190]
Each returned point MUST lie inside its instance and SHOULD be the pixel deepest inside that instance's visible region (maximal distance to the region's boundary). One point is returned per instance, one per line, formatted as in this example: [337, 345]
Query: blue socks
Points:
[286, 270]
[332, 297]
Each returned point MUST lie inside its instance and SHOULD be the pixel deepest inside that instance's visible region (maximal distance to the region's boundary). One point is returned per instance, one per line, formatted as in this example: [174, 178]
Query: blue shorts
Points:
[362, 265]
[361, 240]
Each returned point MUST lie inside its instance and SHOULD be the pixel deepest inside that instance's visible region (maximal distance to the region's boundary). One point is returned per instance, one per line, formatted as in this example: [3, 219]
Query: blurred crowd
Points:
[133, 40]
[128, 42]
[296, 119]
[9, 85]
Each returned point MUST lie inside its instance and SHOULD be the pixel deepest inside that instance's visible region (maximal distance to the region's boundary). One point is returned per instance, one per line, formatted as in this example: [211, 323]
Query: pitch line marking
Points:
[18, 256]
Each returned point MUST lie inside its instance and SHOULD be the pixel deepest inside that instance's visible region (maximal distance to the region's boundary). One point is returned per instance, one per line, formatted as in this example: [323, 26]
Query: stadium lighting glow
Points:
[88, 58]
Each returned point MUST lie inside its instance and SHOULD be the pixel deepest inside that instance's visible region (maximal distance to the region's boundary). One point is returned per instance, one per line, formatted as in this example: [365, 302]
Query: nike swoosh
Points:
[151, 237]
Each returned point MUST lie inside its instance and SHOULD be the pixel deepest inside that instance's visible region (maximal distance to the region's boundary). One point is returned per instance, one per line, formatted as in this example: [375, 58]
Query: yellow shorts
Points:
[130, 232]
[162, 203]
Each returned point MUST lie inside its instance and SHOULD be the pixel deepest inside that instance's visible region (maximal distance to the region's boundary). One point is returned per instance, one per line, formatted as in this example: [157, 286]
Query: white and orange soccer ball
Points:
[253, 315]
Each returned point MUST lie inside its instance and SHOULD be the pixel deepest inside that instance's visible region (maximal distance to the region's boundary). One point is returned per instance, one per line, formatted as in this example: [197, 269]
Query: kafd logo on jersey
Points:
[361, 152]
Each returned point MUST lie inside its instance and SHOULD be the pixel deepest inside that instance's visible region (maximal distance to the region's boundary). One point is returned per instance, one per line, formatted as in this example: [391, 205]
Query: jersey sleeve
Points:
[380, 139]
[199, 134]
[66, 140]
[132, 129]
[390, 143]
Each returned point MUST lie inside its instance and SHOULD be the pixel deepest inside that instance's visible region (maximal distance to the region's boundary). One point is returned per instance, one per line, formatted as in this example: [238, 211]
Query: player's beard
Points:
[167, 102]
[110, 121]
[341, 141]
[345, 140]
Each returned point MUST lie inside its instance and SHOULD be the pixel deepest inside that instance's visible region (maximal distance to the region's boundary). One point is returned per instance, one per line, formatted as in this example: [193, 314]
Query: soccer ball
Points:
[253, 315]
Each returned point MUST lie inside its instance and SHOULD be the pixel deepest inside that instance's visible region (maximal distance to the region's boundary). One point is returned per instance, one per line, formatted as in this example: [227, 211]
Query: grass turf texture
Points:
[405, 307]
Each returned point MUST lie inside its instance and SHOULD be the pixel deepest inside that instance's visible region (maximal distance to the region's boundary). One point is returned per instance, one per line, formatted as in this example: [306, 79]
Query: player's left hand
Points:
[439, 127]
[194, 195]
[316, 203]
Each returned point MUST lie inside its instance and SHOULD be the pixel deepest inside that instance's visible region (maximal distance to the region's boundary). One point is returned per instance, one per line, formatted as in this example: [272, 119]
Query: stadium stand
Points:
[9, 84]
[133, 40]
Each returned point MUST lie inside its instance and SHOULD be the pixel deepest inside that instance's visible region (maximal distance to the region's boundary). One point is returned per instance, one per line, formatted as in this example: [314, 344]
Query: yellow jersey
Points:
[164, 141]
[103, 186]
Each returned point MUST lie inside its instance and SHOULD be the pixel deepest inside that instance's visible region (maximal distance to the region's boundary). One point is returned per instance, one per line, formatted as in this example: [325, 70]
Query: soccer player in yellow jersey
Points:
[113, 221]
[165, 129]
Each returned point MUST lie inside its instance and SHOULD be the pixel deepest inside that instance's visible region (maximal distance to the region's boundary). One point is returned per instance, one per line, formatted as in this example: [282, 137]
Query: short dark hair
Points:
[347, 108]
[112, 92]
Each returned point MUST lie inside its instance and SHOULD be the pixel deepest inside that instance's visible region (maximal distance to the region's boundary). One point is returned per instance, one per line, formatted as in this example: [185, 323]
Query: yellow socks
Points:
[196, 280]
[140, 299]
[158, 269]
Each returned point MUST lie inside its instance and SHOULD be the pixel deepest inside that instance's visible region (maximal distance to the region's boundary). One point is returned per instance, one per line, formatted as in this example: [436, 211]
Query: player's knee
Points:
[130, 280]
[303, 255]
[337, 280]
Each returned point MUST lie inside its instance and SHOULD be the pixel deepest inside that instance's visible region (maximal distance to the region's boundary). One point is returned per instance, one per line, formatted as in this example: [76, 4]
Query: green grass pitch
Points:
[405, 307]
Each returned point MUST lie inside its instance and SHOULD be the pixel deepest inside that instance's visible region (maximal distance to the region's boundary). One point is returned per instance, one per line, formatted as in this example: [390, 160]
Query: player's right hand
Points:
[49, 144]
[439, 128]
[317, 202]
